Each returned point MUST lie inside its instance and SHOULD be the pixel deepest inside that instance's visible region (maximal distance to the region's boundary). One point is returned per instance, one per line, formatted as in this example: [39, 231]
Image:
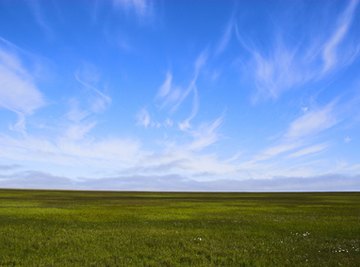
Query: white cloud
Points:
[180, 159]
[185, 124]
[165, 88]
[143, 118]
[75, 113]
[276, 72]
[168, 94]
[18, 90]
[343, 25]
[142, 8]
[200, 62]
[309, 150]
[277, 149]
[312, 122]
[102, 153]
[205, 135]
[89, 76]
[78, 131]
[225, 38]
[172, 96]
[284, 65]
[168, 123]
[300, 133]
[81, 115]
[198, 66]
[38, 14]
[347, 139]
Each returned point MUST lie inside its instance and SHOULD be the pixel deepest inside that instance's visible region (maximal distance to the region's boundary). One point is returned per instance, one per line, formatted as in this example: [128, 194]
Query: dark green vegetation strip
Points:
[59, 228]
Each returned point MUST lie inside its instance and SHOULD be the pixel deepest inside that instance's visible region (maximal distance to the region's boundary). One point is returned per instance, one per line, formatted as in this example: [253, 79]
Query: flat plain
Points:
[88, 228]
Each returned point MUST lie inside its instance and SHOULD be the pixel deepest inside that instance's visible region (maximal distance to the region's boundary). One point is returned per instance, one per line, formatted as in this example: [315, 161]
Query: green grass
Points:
[72, 228]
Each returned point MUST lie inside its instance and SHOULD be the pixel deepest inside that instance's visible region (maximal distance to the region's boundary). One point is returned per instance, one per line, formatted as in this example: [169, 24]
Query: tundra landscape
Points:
[180, 133]
[74, 228]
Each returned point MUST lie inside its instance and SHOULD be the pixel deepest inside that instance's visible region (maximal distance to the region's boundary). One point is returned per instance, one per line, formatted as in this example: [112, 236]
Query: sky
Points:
[180, 95]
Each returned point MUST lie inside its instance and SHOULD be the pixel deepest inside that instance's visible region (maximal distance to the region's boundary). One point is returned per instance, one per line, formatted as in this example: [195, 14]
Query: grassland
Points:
[59, 228]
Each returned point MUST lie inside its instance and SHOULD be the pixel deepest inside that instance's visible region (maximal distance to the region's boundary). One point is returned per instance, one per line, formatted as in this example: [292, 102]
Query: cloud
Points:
[172, 97]
[89, 76]
[309, 150]
[300, 133]
[38, 14]
[205, 135]
[9, 167]
[342, 28]
[75, 113]
[347, 139]
[312, 122]
[182, 153]
[226, 37]
[36, 180]
[18, 90]
[143, 118]
[277, 149]
[198, 65]
[284, 64]
[72, 145]
[142, 8]
[185, 124]
[171, 182]
[276, 72]
[183, 159]
[168, 94]
[81, 116]
[139, 183]
[165, 88]
[97, 153]
[78, 131]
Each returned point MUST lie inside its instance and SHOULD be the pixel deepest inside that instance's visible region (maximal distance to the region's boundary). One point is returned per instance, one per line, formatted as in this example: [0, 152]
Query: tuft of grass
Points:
[77, 228]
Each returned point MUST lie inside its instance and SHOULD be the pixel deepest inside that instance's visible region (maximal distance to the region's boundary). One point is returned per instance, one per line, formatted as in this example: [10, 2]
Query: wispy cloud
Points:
[75, 113]
[142, 8]
[82, 111]
[206, 134]
[172, 96]
[301, 132]
[69, 144]
[18, 90]
[309, 150]
[89, 77]
[143, 118]
[343, 24]
[78, 131]
[185, 125]
[36, 9]
[165, 88]
[277, 149]
[184, 152]
[94, 152]
[312, 122]
[226, 36]
[198, 65]
[286, 65]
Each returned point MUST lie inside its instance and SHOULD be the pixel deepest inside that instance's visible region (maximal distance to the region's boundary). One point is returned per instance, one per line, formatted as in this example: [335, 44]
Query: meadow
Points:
[79, 228]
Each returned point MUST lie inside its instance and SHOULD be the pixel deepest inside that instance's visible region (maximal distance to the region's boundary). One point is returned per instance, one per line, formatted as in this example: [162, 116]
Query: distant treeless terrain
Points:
[75, 228]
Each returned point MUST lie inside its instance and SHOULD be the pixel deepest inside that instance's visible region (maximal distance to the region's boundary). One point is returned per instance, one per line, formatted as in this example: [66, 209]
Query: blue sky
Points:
[180, 95]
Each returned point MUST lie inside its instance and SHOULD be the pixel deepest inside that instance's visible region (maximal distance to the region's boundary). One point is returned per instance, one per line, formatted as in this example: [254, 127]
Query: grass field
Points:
[59, 228]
